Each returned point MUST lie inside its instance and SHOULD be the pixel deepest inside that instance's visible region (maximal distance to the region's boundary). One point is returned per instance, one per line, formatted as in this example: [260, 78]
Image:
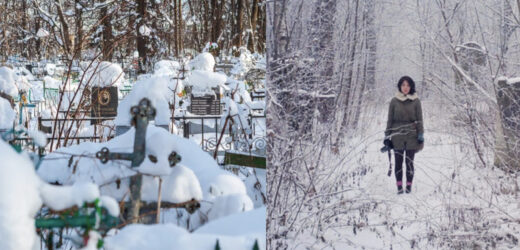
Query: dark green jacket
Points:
[405, 121]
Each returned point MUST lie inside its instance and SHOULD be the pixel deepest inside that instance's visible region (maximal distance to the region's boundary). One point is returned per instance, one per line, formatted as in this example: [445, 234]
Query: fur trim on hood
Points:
[402, 97]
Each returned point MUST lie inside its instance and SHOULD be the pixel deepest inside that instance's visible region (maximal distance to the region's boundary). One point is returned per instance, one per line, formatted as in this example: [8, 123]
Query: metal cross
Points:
[141, 115]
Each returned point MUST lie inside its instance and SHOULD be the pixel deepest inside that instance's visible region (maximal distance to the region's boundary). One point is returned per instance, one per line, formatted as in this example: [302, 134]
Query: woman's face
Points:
[405, 87]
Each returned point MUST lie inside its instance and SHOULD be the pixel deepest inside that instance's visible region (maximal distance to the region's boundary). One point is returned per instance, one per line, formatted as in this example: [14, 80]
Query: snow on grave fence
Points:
[192, 128]
[189, 128]
[99, 219]
[241, 155]
[65, 138]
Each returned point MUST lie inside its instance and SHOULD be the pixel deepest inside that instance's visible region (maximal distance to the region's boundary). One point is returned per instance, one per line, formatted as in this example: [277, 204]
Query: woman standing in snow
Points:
[404, 129]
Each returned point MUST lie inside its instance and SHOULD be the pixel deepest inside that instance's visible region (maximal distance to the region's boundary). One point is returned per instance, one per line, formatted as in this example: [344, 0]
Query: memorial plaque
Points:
[104, 102]
[205, 105]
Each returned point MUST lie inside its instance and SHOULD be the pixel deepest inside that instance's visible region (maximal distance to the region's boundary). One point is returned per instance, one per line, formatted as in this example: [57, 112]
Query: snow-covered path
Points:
[454, 202]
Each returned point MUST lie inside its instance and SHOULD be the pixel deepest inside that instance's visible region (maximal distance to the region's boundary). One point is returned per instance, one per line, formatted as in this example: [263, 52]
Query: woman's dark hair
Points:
[410, 82]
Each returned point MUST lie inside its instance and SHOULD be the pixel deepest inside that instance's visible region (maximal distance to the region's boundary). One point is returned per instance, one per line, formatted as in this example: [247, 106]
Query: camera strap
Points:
[390, 162]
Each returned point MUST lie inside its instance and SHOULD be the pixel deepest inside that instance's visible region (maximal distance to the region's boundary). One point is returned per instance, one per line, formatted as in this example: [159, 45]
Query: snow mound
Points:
[37, 91]
[203, 81]
[250, 222]
[166, 67]
[179, 186]
[62, 197]
[7, 81]
[23, 193]
[204, 61]
[7, 114]
[165, 236]
[105, 74]
[20, 200]
[158, 89]
[230, 204]
[39, 137]
[50, 68]
[50, 82]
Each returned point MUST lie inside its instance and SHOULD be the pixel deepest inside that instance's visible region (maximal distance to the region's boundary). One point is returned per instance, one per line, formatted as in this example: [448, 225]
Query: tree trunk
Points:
[24, 48]
[254, 20]
[369, 65]
[196, 38]
[38, 40]
[179, 30]
[108, 38]
[371, 43]
[207, 35]
[65, 34]
[175, 28]
[344, 95]
[79, 28]
[141, 40]
[239, 28]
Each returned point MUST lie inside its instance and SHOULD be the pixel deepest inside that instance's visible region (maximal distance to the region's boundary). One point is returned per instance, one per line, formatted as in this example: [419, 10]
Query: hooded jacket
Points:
[405, 121]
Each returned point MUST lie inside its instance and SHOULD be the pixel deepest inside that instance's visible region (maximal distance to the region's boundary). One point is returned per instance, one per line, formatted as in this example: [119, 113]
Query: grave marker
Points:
[103, 102]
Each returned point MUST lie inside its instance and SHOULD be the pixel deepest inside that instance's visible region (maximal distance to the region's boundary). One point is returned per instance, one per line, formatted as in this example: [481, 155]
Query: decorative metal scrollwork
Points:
[259, 143]
[211, 144]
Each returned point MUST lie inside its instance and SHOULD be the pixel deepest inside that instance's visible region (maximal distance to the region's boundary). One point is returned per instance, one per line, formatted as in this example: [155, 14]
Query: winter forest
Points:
[333, 69]
[133, 124]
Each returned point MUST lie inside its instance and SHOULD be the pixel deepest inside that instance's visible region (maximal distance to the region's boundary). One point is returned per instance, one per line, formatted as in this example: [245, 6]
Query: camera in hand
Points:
[388, 145]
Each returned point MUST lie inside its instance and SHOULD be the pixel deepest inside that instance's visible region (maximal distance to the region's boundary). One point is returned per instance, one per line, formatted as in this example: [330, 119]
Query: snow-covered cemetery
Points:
[336, 105]
[132, 124]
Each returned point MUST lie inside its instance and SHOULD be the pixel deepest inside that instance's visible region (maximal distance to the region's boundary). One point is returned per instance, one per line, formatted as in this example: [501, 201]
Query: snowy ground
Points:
[454, 203]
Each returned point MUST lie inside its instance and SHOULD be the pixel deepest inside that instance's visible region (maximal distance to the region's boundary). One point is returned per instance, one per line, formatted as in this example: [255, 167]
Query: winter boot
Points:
[399, 187]
[408, 187]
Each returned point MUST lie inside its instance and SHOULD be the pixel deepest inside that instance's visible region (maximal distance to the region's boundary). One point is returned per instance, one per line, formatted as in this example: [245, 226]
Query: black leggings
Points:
[399, 165]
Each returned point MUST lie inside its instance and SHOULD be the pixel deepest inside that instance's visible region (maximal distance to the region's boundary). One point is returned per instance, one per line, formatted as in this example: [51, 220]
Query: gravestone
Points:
[472, 59]
[104, 102]
[206, 105]
[508, 131]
